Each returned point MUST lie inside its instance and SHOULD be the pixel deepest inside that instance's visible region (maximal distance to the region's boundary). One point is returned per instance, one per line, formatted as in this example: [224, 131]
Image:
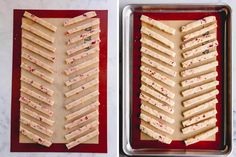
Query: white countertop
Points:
[6, 27]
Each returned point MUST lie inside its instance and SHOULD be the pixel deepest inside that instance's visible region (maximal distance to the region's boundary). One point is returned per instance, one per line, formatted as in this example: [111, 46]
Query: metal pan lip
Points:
[126, 83]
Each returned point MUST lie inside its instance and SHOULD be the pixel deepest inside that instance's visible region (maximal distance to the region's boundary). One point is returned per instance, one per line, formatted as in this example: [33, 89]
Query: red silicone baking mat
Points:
[170, 15]
[101, 147]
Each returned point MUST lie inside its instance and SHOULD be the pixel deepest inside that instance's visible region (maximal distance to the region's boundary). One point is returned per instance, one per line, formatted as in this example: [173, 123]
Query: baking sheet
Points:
[98, 144]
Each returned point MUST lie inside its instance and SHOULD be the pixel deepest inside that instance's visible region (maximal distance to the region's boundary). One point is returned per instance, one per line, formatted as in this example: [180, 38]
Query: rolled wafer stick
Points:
[82, 139]
[157, 36]
[82, 88]
[157, 124]
[37, 32]
[82, 76]
[199, 59]
[38, 52]
[199, 69]
[40, 21]
[37, 72]
[38, 42]
[200, 98]
[36, 116]
[81, 55]
[35, 138]
[201, 49]
[83, 65]
[159, 66]
[36, 106]
[80, 18]
[199, 79]
[37, 96]
[81, 100]
[199, 118]
[201, 136]
[92, 23]
[158, 87]
[83, 36]
[198, 23]
[157, 95]
[37, 62]
[37, 85]
[157, 46]
[82, 46]
[199, 88]
[157, 114]
[83, 110]
[158, 76]
[82, 130]
[199, 125]
[36, 126]
[158, 24]
[81, 120]
[199, 32]
[198, 41]
[156, 103]
[155, 135]
[200, 108]
[158, 56]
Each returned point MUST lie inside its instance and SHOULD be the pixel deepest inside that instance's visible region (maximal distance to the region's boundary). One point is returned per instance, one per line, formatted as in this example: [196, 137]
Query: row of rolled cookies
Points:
[157, 63]
[200, 90]
[82, 71]
[36, 100]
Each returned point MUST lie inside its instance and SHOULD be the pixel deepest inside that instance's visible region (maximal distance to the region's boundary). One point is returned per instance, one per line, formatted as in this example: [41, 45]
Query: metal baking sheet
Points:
[132, 144]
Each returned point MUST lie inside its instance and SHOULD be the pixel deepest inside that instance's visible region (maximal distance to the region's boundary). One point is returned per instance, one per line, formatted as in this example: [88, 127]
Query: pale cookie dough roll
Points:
[199, 59]
[87, 34]
[198, 23]
[35, 138]
[200, 32]
[198, 126]
[37, 73]
[157, 95]
[157, 76]
[158, 24]
[199, 69]
[81, 100]
[199, 79]
[92, 23]
[80, 18]
[157, 36]
[37, 32]
[158, 66]
[36, 116]
[201, 49]
[36, 126]
[36, 106]
[157, 46]
[37, 85]
[82, 139]
[201, 136]
[156, 103]
[158, 87]
[200, 98]
[40, 21]
[37, 62]
[158, 56]
[37, 96]
[158, 125]
[198, 41]
[199, 117]
[200, 108]
[155, 135]
[81, 130]
[200, 88]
